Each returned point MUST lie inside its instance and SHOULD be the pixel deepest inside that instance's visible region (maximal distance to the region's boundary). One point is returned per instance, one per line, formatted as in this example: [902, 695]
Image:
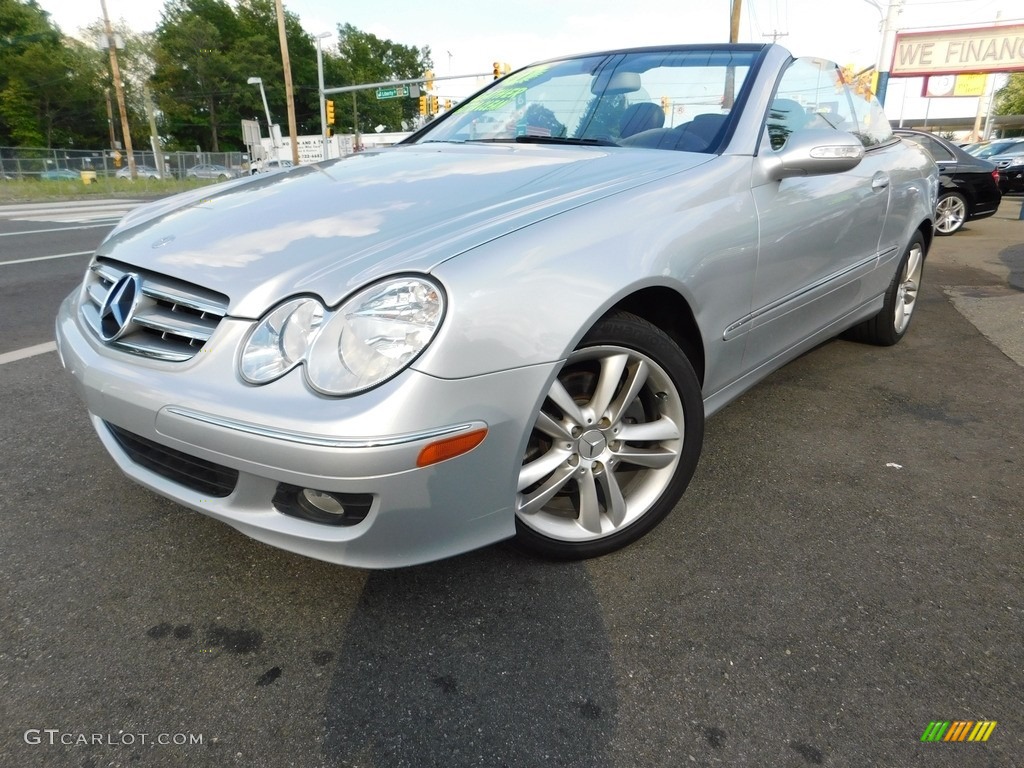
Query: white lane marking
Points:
[21, 354]
[55, 229]
[104, 218]
[46, 258]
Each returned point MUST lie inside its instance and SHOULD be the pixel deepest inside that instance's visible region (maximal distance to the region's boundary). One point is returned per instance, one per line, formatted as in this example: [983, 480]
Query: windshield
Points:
[660, 99]
[999, 147]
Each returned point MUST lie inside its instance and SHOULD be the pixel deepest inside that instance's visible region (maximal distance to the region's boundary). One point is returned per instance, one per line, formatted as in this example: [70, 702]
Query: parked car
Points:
[987, 149]
[409, 353]
[141, 172]
[1010, 166]
[266, 166]
[968, 186]
[60, 174]
[211, 171]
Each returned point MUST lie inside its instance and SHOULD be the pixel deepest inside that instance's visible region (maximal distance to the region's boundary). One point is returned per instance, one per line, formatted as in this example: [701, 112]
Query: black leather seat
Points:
[640, 117]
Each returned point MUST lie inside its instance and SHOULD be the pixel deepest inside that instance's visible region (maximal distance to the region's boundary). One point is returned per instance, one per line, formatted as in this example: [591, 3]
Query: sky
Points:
[466, 37]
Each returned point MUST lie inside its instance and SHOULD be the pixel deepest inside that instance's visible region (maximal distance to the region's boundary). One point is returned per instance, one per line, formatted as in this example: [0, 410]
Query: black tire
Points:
[950, 213]
[892, 322]
[615, 443]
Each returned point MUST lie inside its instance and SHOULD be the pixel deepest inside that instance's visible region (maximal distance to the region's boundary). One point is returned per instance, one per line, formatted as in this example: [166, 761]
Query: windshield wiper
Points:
[564, 140]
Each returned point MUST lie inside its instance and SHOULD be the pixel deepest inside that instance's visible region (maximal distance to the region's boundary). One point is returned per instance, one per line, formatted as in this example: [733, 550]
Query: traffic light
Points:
[433, 105]
[664, 103]
[497, 70]
[506, 68]
[447, 104]
[330, 112]
[429, 77]
[423, 105]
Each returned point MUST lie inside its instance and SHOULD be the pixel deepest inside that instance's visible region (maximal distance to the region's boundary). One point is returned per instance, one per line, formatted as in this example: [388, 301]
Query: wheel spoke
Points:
[654, 458]
[899, 321]
[590, 508]
[560, 397]
[616, 504]
[541, 467]
[548, 425]
[913, 264]
[652, 431]
[612, 367]
[535, 501]
[635, 381]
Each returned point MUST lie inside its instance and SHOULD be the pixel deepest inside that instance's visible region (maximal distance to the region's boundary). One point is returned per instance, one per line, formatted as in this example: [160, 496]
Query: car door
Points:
[819, 235]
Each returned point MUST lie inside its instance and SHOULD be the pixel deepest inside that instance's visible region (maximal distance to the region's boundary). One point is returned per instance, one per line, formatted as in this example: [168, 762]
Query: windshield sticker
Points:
[499, 99]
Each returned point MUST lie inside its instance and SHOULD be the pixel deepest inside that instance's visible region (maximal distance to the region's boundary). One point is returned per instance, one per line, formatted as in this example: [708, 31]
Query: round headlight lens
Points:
[280, 340]
[374, 335]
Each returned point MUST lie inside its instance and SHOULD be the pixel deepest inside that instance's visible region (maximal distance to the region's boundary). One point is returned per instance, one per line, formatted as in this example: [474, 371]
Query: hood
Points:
[328, 229]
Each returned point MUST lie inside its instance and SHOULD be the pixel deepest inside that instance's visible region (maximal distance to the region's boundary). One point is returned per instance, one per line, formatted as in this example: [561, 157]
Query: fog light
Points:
[324, 502]
[324, 507]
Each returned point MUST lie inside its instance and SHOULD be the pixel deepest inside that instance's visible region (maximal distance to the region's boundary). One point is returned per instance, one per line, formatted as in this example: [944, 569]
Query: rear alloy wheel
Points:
[891, 323]
[614, 445]
[950, 213]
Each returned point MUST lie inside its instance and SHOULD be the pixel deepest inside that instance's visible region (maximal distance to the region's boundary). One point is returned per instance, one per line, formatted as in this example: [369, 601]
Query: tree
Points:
[1010, 98]
[365, 58]
[46, 98]
[205, 53]
[193, 69]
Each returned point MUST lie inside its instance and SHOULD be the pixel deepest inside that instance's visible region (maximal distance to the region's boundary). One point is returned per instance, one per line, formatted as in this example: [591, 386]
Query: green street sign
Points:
[393, 92]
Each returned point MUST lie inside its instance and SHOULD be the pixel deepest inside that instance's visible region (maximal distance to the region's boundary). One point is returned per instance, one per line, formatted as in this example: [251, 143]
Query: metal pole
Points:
[991, 104]
[323, 100]
[387, 83]
[355, 123]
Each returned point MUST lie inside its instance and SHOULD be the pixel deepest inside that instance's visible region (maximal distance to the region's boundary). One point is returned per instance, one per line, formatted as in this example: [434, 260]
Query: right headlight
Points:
[372, 336]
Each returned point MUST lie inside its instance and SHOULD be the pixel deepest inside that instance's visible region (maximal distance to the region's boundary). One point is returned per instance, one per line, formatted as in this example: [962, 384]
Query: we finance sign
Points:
[952, 51]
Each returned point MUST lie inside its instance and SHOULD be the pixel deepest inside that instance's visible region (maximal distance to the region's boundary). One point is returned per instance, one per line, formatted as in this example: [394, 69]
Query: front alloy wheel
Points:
[950, 213]
[614, 445]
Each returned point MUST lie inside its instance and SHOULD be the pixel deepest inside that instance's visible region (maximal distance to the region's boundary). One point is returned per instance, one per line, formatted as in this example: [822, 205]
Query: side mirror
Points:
[815, 152]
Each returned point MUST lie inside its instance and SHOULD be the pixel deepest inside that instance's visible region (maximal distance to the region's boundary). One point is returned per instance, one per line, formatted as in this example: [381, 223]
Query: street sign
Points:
[393, 92]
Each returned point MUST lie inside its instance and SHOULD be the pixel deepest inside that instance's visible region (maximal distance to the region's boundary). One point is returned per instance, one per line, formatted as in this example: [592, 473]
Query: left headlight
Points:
[372, 336]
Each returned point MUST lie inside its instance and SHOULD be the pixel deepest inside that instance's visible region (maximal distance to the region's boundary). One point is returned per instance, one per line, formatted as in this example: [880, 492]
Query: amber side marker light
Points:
[450, 447]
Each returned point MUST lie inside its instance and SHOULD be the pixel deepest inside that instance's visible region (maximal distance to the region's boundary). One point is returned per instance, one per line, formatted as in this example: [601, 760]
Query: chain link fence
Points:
[19, 163]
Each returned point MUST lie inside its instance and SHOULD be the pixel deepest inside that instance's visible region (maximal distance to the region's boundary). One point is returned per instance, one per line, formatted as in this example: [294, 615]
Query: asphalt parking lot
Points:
[845, 569]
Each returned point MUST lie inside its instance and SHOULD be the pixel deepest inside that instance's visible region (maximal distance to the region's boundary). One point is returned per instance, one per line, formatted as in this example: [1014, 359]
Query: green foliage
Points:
[1010, 98]
[365, 58]
[54, 90]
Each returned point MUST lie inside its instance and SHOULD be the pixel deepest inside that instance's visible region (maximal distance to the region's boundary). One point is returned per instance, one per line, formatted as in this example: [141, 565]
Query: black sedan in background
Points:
[968, 186]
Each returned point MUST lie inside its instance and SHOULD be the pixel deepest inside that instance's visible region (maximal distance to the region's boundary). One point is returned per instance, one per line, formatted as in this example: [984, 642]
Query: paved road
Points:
[845, 568]
[44, 249]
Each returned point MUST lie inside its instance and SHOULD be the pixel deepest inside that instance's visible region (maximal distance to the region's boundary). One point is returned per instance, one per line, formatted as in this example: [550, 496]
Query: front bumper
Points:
[1011, 179]
[284, 434]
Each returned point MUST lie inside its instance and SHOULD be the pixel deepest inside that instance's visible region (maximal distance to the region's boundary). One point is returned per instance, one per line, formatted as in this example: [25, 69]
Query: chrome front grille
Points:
[172, 320]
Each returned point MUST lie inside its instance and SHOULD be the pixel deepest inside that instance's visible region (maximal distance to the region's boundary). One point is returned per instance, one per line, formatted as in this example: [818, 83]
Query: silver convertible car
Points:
[514, 323]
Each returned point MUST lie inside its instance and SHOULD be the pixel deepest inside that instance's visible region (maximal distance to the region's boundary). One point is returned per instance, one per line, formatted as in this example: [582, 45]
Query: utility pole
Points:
[734, 22]
[888, 42]
[115, 73]
[110, 119]
[289, 94]
[730, 72]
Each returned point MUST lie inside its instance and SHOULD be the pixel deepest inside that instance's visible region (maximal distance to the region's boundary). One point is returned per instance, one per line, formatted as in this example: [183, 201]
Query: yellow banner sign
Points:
[952, 51]
[970, 85]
